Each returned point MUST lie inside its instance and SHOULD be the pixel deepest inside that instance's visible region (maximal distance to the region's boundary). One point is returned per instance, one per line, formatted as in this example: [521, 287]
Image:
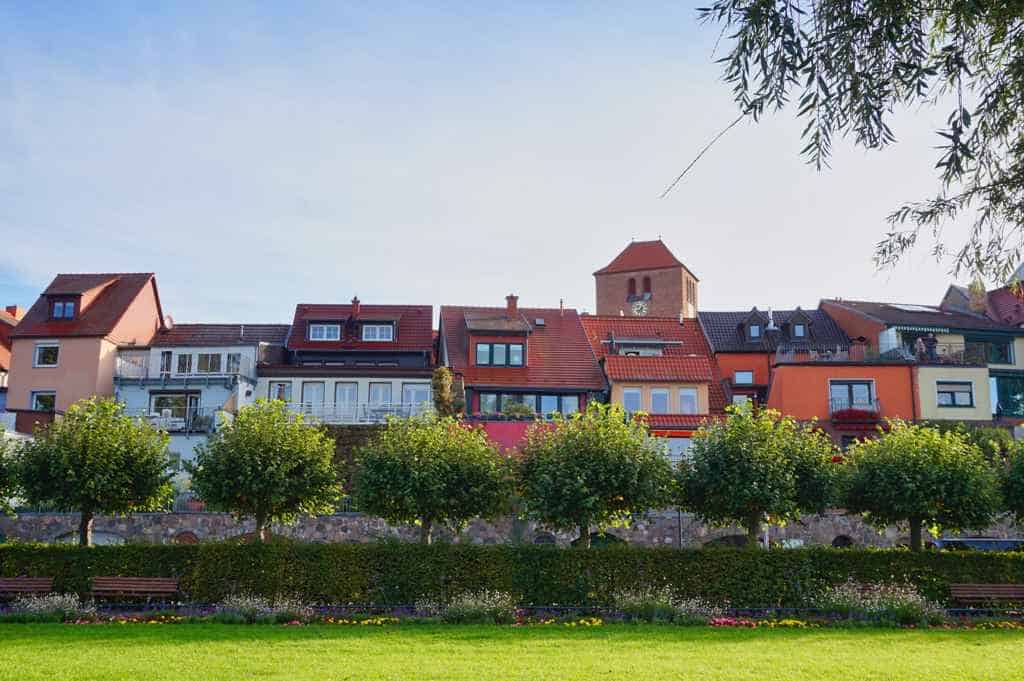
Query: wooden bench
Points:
[20, 586]
[135, 587]
[983, 594]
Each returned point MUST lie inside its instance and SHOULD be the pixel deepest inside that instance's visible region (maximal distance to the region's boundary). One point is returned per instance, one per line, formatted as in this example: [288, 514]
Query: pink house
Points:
[65, 347]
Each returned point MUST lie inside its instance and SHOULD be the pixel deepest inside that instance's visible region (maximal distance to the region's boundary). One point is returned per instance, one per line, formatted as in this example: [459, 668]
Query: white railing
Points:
[186, 420]
[139, 367]
[358, 412]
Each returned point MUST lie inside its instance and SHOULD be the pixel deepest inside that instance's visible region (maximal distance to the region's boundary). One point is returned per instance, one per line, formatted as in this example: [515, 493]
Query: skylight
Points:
[914, 308]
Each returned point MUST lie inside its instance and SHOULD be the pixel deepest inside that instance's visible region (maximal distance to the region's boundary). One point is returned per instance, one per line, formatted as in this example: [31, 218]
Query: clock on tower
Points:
[640, 308]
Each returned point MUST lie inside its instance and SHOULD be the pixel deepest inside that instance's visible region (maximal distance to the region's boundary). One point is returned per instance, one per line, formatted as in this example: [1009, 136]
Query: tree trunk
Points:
[85, 528]
[753, 529]
[426, 531]
[262, 530]
[915, 534]
[584, 536]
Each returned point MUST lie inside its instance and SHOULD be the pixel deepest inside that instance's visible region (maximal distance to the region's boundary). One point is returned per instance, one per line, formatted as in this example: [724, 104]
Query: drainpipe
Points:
[915, 393]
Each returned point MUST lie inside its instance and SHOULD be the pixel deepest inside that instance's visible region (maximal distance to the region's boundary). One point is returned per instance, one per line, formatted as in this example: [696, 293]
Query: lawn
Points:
[54, 652]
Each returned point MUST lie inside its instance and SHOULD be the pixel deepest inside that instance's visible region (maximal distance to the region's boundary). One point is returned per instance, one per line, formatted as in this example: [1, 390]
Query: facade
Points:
[660, 366]
[65, 348]
[969, 367]
[9, 318]
[354, 363]
[537, 359]
[192, 376]
[645, 279]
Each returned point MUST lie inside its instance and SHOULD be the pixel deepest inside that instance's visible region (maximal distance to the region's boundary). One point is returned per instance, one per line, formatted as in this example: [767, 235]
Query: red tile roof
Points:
[413, 332]
[1006, 305]
[7, 324]
[658, 421]
[623, 368]
[221, 334]
[100, 316]
[558, 354]
[643, 255]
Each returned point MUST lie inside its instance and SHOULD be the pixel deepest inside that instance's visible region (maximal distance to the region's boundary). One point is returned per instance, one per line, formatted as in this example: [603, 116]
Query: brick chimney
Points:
[355, 306]
[16, 311]
[511, 306]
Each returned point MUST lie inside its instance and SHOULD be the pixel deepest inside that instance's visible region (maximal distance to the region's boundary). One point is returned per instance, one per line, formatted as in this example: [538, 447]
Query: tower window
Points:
[647, 285]
[631, 287]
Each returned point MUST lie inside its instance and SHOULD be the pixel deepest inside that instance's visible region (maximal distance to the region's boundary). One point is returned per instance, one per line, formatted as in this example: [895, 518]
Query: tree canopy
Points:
[592, 469]
[849, 67]
[758, 466]
[8, 478]
[268, 464]
[916, 475]
[95, 459]
[432, 471]
[1013, 483]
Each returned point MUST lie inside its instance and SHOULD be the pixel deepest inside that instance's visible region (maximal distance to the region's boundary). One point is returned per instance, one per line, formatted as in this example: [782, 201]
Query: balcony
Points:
[359, 413]
[797, 354]
[842, 410]
[138, 367]
[189, 421]
[956, 354]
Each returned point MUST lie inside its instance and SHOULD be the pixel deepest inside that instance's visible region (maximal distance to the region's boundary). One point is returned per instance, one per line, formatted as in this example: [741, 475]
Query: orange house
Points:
[65, 348]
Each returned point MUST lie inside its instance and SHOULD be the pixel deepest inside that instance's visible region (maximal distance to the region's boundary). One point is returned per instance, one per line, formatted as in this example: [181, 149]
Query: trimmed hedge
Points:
[391, 573]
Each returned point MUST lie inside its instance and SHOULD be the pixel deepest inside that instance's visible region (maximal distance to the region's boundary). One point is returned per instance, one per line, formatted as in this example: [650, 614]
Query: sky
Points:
[260, 155]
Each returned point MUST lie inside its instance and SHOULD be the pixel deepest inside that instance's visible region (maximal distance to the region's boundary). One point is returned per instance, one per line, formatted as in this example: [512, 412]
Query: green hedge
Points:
[390, 573]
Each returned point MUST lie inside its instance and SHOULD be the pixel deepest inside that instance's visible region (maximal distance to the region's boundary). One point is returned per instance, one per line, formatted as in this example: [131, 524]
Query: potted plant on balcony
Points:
[854, 414]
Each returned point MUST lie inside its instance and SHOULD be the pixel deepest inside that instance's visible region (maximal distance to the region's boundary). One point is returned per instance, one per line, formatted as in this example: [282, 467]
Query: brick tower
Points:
[645, 279]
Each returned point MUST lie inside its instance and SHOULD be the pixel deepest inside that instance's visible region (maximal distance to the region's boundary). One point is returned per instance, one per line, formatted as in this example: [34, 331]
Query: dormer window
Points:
[63, 309]
[378, 332]
[754, 331]
[324, 332]
[799, 331]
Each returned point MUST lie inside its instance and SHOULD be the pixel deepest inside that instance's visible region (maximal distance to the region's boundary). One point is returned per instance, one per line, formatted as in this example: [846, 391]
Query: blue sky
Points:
[265, 154]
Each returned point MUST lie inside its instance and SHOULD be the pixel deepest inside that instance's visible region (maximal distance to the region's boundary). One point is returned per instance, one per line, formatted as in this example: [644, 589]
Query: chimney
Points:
[16, 311]
[355, 306]
[682, 319]
[168, 321]
[511, 306]
[561, 307]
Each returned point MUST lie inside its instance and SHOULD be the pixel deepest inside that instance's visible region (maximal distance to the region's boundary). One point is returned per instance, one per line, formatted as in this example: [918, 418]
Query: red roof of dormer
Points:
[413, 327]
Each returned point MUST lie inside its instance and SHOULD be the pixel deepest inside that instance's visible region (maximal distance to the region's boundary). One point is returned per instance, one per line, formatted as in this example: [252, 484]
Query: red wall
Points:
[853, 323]
[801, 390]
[758, 362]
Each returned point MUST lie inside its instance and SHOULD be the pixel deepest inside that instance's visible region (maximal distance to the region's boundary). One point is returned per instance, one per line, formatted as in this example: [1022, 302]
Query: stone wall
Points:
[658, 529]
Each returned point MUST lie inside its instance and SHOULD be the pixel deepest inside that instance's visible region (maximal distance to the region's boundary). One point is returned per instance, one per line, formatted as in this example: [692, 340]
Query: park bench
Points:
[21, 586]
[134, 587]
[985, 594]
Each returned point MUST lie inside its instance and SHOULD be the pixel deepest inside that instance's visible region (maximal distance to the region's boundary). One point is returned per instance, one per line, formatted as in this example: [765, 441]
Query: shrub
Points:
[52, 607]
[481, 607]
[253, 609]
[900, 604]
[654, 604]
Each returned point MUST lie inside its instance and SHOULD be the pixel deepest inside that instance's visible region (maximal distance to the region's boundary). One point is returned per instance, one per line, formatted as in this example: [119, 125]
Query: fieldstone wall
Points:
[658, 529]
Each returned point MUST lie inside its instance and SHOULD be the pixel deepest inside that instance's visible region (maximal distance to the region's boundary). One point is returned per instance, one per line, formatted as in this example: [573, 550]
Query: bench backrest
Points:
[26, 585]
[134, 585]
[995, 592]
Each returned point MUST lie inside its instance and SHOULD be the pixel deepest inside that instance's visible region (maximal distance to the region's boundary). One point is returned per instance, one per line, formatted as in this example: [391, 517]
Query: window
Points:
[743, 378]
[570, 404]
[378, 332]
[950, 394]
[632, 399]
[415, 393]
[346, 394]
[280, 390]
[691, 291]
[234, 362]
[515, 355]
[208, 363]
[799, 331]
[380, 394]
[488, 403]
[177, 406]
[647, 285]
[659, 401]
[44, 400]
[165, 362]
[755, 331]
[1007, 395]
[324, 332]
[678, 449]
[184, 364]
[312, 393]
[548, 404]
[483, 353]
[500, 354]
[46, 355]
[740, 400]
[688, 400]
[1000, 352]
[530, 401]
[850, 395]
[63, 309]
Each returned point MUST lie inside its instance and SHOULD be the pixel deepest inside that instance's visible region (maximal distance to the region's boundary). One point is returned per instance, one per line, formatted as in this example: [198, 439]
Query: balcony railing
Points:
[843, 409]
[185, 421]
[795, 354]
[139, 367]
[954, 354]
[359, 412]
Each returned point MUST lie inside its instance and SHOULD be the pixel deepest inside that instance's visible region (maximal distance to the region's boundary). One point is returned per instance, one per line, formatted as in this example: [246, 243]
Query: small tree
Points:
[1013, 483]
[755, 467]
[7, 473]
[593, 468]
[96, 460]
[268, 464]
[441, 388]
[430, 470]
[917, 475]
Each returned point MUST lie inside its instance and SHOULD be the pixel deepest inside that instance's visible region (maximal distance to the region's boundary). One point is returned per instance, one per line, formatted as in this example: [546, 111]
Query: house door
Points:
[313, 397]
[346, 400]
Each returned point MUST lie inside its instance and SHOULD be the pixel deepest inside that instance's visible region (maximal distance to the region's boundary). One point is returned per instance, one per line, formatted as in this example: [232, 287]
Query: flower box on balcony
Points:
[851, 414]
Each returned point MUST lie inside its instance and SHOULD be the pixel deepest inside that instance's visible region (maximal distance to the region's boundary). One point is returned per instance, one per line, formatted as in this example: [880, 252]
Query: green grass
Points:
[54, 652]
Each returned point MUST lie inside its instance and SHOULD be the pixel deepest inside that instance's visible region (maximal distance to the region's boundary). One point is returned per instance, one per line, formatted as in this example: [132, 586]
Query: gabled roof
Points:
[1006, 305]
[925, 316]
[558, 354]
[116, 291]
[725, 333]
[643, 255]
[213, 335]
[413, 327]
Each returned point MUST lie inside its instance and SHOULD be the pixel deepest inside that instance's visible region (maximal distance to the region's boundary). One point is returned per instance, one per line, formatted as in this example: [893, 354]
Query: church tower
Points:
[645, 279]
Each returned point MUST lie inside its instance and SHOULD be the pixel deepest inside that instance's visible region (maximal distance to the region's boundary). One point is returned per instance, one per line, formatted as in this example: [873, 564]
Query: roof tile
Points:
[643, 255]
[724, 333]
[413, 333]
